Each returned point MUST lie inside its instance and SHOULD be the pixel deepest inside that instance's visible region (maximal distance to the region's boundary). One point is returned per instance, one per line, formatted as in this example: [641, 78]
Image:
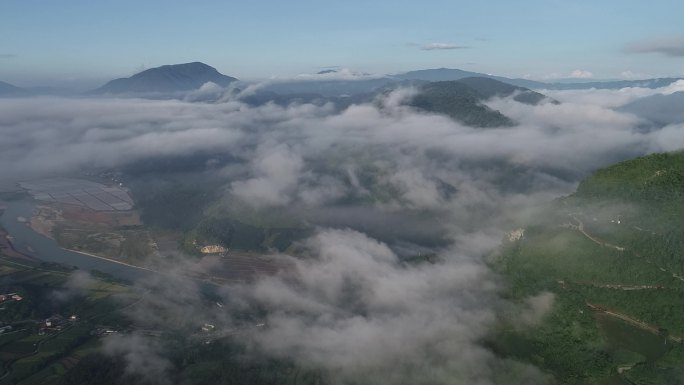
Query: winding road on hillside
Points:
[654, 329]
[580, 228]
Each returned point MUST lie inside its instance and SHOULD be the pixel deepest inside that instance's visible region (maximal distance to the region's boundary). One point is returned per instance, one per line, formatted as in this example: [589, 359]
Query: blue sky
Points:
[58, 42]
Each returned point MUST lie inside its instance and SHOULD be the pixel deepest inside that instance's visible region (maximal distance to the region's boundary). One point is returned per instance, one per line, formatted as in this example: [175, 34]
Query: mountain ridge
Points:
[659, 109]
[7, 89]
[167, 78]
[610, 256]
[462, 100]
[442, 74]
[173, 78]
[445, 74]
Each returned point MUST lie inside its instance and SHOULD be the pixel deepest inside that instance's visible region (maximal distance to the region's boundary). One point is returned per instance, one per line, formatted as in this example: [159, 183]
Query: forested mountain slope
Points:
[610, 256]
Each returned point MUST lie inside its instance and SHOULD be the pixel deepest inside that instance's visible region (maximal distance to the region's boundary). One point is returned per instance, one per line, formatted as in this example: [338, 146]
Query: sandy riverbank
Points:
[110, 260]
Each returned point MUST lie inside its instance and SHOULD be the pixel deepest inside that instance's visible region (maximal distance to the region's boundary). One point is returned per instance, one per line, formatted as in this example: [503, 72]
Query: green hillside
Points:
[610, 255]
[460, 102]
[488, 88]
[653, 178]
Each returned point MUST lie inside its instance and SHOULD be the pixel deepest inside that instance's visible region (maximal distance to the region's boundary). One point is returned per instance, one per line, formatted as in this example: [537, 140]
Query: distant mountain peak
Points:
[9, 90]
[167, 79]
[447, 74]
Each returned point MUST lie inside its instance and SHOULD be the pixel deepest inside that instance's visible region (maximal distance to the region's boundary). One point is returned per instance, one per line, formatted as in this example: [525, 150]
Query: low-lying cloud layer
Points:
[355, 311]
[59, 135]
[350, 307]
[77, 285]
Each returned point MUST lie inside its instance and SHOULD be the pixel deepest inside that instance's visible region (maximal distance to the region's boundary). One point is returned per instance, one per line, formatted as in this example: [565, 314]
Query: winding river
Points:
[30, 242]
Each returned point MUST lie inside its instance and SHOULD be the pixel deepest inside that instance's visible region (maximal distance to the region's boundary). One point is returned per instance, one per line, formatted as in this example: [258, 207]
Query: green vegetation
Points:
[460, 102]
[203, 212]
[131, 245]
[611, 254]
[201, 364]
[171, 205]
[32, 353]
[654, 178]
[221, 229]
[488, 88]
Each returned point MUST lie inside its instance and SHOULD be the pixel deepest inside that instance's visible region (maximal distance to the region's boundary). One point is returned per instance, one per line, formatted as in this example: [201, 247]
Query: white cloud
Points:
[141, 356]
[581, 74]
[535, 308]
[668, 46]
[78, 284]
[600, 97]
[208, 91]
[418, 191]
[677, 86]
[630, 75]
[669, 138]
[350, 306]
[338, 74]
[354, 310]
[441, 46]
[276, 170]
[611, 98]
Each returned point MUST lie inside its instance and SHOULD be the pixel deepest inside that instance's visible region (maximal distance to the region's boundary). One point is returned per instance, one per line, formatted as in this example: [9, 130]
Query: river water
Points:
[46, 249]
